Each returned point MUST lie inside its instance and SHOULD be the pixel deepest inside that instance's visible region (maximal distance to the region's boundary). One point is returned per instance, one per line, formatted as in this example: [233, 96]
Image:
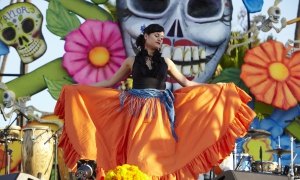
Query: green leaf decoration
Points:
[10, 24]
[55, 86]
[112, 9]
[99, 1]
[86, 10]
[293, 128]
[59, 20]
[264, 109]
[231, 75]
[236, 59]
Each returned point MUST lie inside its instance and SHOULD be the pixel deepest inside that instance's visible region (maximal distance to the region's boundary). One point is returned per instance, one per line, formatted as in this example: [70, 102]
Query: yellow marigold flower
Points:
[126, 172]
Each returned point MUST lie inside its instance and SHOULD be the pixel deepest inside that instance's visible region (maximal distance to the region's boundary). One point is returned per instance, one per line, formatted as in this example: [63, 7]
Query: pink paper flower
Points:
[94, 52]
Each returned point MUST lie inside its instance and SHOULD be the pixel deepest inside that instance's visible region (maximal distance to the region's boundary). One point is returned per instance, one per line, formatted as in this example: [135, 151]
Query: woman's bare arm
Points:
[119, 75]
[177, 75]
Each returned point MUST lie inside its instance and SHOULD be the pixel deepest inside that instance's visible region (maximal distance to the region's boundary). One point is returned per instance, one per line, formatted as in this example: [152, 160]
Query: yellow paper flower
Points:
[126, 172]
[271, 77]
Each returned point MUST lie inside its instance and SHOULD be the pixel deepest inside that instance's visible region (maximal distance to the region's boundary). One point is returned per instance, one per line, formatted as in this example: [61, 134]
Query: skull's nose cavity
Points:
[175, 30]
[25, 39]
[179, 30]
[20, 41]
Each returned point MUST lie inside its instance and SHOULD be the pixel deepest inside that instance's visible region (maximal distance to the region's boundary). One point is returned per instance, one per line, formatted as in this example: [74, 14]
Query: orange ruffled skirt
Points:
[209, 118]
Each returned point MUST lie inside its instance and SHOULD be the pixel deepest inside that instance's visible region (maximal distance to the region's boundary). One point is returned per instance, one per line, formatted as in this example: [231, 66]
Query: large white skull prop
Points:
[196, 31]
[20, 27]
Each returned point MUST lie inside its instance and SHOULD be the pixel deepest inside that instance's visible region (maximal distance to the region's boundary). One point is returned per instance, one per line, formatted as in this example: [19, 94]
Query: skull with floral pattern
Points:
[20, 27]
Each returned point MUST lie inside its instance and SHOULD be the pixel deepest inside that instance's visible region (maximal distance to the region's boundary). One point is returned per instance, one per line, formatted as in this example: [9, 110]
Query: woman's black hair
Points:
[140, 40]
[141, 56]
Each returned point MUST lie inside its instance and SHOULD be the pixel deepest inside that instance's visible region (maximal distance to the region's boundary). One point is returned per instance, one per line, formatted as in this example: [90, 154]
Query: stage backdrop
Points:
[197, 37]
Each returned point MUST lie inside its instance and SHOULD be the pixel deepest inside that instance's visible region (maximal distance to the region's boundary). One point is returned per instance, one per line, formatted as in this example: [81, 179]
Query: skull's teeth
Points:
[166, 51]
[195, 53]
[186, 54]
[177, 55]
[31, 49]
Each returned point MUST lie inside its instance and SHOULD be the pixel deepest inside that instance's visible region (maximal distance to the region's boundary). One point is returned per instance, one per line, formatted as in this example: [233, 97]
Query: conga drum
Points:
[11, 136]
[37, 151]
[13, 133]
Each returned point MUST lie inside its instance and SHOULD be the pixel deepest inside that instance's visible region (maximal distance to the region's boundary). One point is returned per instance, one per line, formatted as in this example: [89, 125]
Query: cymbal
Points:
[278, 151]
[258, 133]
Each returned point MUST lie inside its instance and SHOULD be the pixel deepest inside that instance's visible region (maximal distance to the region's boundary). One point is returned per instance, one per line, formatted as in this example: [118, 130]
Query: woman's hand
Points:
[124, 70]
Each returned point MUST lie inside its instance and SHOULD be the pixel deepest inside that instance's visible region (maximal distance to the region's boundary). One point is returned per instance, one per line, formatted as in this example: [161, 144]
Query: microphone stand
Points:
[54, 135]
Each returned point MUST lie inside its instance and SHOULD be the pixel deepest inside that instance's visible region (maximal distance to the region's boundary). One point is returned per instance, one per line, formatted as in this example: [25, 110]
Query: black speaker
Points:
[18, 176]
[239, 175]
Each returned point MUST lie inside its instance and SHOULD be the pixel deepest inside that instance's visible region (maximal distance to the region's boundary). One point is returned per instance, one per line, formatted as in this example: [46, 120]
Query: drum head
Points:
[15, 127]
[37, 128]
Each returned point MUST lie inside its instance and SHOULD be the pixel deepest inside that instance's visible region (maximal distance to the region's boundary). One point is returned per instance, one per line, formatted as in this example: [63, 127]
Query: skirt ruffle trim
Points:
[220, 149]
[60, 106]
[70, 154]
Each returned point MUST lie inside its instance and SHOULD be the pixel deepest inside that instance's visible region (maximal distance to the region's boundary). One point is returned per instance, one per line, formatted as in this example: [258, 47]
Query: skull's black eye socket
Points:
[5, 95]
[9, 34]
[149, 6]
[277, 11]
[204, 8]
[27, 25]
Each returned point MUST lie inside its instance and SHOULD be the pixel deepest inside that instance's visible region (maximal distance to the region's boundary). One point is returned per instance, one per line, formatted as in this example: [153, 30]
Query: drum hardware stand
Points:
[240, 163]
[260, 157]
[292, 158]
[70, 176]
[234, 154]
[8, 152]
[292, 175]
[292, 152]
[212, 173]
[54, 135]
[234, 151]
[279, 157]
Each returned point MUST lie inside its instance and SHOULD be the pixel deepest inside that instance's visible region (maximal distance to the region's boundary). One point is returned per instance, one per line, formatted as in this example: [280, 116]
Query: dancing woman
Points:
[167, 135]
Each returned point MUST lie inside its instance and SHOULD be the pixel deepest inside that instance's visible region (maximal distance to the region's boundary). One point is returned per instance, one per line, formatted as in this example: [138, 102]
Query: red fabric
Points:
[209, 118]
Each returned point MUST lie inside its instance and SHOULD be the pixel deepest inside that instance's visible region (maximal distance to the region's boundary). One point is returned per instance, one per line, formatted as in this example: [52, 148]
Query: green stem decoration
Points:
[86, 10]
[33, 82]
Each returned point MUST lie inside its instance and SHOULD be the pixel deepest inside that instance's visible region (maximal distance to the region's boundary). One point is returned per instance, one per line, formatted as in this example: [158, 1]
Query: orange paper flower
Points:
[271, 77]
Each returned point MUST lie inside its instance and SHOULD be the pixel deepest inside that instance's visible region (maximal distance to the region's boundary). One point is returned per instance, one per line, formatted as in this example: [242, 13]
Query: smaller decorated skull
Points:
[20, 27]
[8, 98]
[274, 14]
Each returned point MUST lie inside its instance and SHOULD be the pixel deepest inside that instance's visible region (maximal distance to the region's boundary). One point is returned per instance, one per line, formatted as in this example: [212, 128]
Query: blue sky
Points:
[45, 102]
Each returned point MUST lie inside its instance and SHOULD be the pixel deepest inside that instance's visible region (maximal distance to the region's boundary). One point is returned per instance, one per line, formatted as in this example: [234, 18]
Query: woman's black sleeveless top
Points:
[155, 78]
